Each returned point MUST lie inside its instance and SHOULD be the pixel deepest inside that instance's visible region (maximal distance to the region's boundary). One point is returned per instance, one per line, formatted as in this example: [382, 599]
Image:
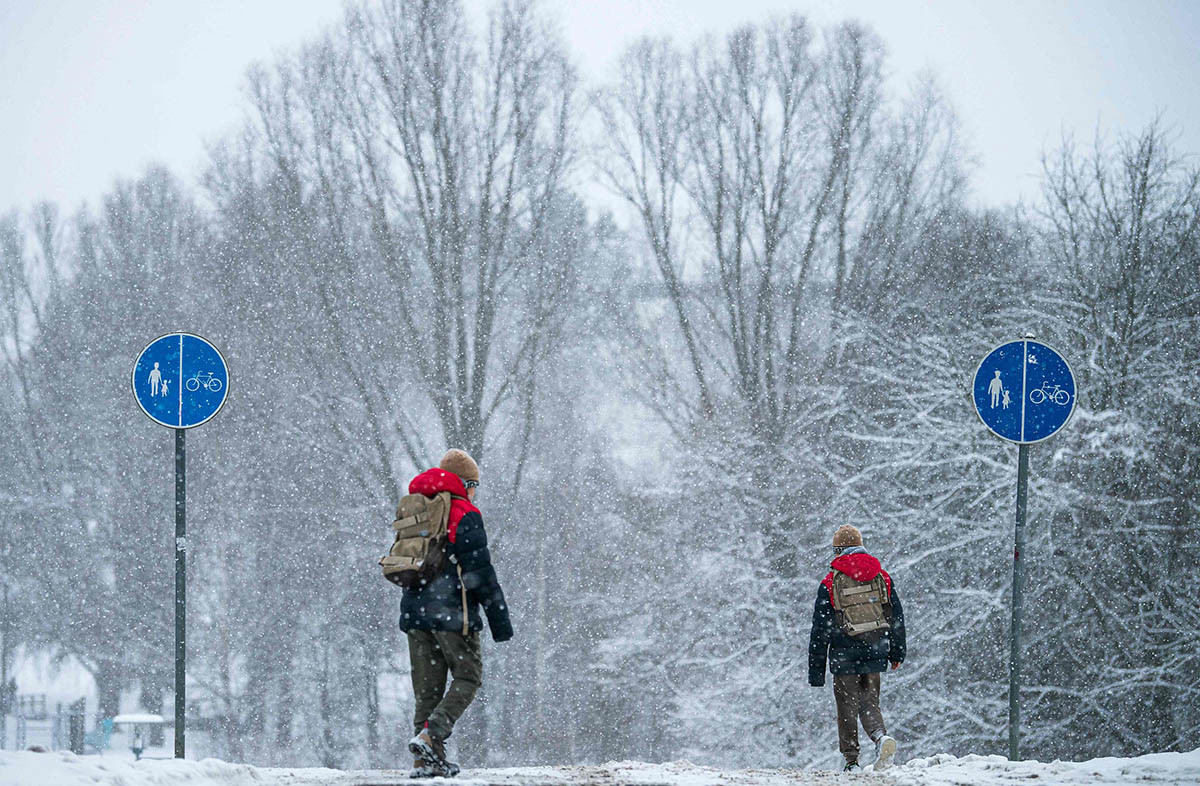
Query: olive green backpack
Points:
[861, 608]
[419, 549]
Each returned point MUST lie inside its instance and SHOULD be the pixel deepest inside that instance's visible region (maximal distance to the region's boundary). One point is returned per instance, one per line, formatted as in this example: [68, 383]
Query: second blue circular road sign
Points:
[180, 380]
[1024, 391]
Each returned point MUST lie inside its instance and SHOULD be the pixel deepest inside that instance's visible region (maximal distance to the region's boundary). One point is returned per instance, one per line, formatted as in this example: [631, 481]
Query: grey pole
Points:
[1014, 667]
[6, 633]
[180, 587]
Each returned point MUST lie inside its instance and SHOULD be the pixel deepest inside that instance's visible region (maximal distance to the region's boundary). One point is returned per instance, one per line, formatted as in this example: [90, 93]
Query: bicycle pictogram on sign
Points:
[1050, 392]
[204, 378]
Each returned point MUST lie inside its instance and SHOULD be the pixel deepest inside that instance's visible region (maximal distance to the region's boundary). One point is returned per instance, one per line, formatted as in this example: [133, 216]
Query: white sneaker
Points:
[885, 751]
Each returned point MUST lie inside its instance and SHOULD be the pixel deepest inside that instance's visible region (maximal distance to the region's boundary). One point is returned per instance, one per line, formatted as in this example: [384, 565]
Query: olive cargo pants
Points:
[856, 696]
[433, 653]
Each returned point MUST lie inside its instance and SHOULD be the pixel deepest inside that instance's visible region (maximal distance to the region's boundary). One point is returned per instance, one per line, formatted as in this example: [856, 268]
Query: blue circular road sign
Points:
[1024, 391]
[180, 380]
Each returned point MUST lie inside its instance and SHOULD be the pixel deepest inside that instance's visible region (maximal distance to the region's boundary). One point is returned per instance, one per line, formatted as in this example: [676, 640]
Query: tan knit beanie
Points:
[460, 463]
[846, 536]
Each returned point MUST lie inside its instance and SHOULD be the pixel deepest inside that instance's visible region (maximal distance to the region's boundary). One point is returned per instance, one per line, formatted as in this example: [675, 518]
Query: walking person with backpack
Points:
[440, 557]
[858, 627]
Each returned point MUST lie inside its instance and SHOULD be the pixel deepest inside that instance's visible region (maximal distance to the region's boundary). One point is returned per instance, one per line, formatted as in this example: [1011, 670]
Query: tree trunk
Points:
[283, 713]
[109, 676]
[151, 700]
[371, 677]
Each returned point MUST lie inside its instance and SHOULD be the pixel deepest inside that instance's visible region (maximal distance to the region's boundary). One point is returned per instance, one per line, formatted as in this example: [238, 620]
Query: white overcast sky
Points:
[94, 90]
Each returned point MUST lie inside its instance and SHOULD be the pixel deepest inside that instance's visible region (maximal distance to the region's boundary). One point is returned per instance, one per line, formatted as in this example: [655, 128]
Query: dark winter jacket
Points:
[847, 655]
[439, 604]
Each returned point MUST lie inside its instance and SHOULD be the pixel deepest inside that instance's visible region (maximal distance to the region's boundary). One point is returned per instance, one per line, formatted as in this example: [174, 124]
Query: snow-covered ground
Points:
[65, 769]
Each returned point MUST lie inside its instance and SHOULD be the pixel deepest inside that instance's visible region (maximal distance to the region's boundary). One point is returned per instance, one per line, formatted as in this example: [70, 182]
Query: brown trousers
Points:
[857, 697]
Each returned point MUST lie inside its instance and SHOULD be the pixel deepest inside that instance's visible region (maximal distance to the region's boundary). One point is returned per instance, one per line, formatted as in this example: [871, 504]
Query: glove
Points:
[501, 627]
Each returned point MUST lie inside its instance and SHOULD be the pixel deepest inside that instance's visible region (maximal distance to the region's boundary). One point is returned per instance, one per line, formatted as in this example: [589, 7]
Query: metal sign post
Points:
[1014, 662]
[180, 588]
[1024, 392]
[180, 381]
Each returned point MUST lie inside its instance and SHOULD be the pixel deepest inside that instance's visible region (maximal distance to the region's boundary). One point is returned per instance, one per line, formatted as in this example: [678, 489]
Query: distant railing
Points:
[32, 706]
[33, 724]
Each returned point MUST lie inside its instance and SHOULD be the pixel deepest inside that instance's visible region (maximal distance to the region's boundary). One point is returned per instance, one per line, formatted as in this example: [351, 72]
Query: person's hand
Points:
[896, 664]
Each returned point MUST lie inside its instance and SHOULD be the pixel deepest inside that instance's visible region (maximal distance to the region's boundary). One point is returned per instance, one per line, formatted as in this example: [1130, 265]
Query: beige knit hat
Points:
[846, 536]
[460, 463]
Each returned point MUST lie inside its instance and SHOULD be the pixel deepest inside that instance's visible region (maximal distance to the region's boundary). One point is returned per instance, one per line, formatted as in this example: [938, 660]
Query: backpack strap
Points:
[838, 615]
[833, 577]
[462, 585]
[884, 587]
[466, 617]
[414, 523]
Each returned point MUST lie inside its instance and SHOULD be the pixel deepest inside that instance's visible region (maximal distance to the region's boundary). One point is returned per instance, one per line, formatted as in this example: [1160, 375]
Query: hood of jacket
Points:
[434, 481]
[860, 566]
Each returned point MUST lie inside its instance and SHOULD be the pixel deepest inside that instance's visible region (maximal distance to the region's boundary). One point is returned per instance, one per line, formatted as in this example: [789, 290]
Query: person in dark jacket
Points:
[442, 618]
[856, 661]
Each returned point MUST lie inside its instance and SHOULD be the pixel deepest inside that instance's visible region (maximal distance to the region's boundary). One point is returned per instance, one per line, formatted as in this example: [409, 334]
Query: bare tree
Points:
[911, 190]
[761, 171]
[419, 182]
[641, 159]
[1122, 244]
[462, 162]
[763, 174]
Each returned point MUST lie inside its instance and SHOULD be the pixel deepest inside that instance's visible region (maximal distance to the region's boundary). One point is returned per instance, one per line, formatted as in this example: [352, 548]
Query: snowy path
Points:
[64, 769]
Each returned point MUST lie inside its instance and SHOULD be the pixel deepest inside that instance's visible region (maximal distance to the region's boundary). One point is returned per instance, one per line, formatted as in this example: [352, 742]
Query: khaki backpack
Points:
[861, 608]
[419, 550]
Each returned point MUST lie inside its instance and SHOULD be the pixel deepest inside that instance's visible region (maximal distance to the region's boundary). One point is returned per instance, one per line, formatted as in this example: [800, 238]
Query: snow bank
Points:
[65, 769]
[1156, 768]
[60, 768]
